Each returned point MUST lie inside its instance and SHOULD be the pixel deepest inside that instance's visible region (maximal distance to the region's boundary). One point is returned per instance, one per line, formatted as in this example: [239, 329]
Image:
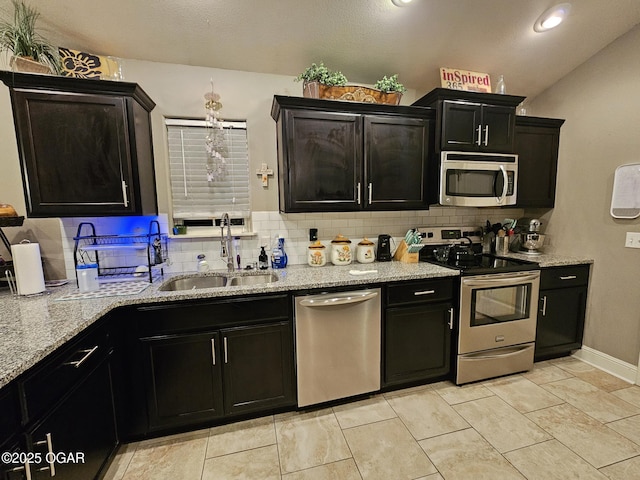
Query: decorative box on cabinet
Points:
[471, 121]
[418, 321]
[85, 145]
[561, 313]
[344, 156]
[537, 142]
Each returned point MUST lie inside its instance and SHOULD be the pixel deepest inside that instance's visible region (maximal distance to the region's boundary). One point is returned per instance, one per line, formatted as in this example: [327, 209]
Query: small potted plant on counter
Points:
[30, 51]
[321, 82]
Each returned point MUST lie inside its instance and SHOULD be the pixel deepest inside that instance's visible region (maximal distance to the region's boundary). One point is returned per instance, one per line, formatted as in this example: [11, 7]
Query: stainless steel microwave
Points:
[478, 179]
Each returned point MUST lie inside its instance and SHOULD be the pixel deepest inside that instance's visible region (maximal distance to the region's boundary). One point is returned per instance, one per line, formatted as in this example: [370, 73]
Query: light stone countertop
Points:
[33, 327]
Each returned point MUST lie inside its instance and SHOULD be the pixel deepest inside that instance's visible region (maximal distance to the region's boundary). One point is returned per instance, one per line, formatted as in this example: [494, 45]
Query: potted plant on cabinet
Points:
[320, 82]
[30, 51]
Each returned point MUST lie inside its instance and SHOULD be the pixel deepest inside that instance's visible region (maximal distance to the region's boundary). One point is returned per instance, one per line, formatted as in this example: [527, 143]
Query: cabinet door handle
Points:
[50, 455]
[479, 141]
[544, 306]
[568, 277]
[424, 292]
[486, 135]
[125, 199]
[226, 357]
[451, 318]
[213, 350]
[27, 470]
[87, 353]
[370, 192]
[358, 190]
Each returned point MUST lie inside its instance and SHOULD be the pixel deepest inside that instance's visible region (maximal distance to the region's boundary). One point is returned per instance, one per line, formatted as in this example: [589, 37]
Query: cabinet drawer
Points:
[423, 291]
[187, 317]
[559, 277]
[59, 374]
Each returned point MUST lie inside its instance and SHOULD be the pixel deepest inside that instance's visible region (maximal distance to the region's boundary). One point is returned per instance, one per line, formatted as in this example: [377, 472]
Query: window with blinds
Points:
[194, 194]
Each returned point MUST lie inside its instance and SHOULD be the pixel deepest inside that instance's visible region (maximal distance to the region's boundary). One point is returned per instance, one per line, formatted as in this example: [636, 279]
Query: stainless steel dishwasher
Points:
[337, 345]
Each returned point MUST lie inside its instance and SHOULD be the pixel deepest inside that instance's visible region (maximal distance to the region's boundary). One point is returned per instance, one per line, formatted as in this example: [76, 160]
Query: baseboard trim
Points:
[609, 364]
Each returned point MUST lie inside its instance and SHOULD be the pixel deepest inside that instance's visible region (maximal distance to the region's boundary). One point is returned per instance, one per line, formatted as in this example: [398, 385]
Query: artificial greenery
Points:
[390, 84]
[321, 74]
[21, 38]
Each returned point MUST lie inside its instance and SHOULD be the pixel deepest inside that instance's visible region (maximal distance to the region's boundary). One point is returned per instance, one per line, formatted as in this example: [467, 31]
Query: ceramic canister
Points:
[317, 256]
[364, 251]
[341, 250]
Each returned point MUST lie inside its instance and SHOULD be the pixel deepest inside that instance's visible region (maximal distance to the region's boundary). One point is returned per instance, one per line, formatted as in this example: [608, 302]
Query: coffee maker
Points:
[384, 248]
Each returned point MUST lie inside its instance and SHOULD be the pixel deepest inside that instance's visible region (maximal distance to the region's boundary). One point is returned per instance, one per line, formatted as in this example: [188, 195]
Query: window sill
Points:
[210, 232]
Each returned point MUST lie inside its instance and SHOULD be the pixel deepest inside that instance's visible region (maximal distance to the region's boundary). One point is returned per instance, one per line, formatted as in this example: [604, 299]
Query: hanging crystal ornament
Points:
[214, 141]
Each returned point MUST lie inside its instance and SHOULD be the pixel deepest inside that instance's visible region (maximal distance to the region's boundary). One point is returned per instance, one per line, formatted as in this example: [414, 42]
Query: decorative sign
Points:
[465, 80]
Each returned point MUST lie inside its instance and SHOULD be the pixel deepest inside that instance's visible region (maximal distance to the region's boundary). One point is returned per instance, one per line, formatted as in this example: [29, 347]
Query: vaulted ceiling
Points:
[365, 39]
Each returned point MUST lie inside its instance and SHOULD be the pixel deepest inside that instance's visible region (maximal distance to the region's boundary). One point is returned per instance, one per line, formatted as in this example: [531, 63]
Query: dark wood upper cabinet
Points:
[471, 121]
[85, 145]
[344, 156]
[537, 142]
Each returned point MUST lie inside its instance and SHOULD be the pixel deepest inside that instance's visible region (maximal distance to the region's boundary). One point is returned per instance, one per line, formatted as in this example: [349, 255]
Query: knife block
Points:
[402, 254]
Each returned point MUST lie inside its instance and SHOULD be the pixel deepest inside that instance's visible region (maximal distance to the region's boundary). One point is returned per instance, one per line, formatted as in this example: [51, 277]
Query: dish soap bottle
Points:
[278, 255]
[263, 260]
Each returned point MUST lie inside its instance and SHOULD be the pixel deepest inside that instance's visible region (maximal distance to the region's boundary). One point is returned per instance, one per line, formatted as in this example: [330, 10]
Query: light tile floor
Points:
[564, 419]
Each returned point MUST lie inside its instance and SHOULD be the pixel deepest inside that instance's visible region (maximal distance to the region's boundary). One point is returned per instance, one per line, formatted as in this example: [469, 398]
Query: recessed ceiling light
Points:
[401, 3]
[552, 18]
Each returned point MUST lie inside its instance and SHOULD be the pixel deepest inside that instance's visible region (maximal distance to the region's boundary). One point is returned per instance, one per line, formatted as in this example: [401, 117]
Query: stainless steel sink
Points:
[252, 279]
[193, 283]
[213, 281]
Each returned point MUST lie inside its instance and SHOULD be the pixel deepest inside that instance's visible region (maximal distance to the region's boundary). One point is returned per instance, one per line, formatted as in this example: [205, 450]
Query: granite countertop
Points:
[33, 327]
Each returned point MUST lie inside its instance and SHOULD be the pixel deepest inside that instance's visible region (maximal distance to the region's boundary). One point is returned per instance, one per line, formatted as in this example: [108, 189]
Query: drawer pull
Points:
[27, 470]
[424, 292]
[87, 353]
[568, 277]
[50, 455]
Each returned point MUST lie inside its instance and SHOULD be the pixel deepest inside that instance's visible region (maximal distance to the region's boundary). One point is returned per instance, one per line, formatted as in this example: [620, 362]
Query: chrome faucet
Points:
[226, 245]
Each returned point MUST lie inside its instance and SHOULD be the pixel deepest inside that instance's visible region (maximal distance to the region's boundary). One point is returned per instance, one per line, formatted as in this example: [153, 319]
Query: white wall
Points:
[600, 101]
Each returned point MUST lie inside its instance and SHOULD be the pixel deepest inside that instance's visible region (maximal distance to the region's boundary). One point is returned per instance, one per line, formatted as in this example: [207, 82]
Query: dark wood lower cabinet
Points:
[201, 361]
[193, 378]
[418, 343]
[183, 378]
[258, 367]
[417, 332]
[562, 308]
[77, 437]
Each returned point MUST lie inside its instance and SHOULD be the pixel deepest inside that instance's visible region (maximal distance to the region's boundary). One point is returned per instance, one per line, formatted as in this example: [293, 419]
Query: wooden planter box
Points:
[350, 93]
[28, 65]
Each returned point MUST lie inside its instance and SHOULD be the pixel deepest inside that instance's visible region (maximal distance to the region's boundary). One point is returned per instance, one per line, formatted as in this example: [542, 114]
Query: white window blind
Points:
[193, 196]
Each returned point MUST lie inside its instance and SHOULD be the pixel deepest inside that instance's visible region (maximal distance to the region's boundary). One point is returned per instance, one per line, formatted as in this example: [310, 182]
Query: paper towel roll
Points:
[27, 265]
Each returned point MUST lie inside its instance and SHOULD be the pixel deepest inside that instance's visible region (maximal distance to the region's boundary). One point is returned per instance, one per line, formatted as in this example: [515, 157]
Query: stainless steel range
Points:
[498, 303]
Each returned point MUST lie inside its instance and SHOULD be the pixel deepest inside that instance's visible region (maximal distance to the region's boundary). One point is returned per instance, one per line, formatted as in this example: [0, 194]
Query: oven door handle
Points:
[513, 278]
[507, 352]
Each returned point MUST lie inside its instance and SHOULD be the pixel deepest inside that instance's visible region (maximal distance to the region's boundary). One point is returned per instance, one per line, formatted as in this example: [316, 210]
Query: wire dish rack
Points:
[122, 257]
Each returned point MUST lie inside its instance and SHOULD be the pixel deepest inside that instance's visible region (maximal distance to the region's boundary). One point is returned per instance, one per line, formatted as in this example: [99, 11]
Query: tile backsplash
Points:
[265, 225]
